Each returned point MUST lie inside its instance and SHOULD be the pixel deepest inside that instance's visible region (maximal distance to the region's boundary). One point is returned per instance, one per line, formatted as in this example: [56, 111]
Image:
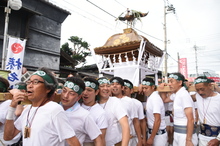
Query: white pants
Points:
[133, 141]
[180, 139]
[203, 142]
[160, 140]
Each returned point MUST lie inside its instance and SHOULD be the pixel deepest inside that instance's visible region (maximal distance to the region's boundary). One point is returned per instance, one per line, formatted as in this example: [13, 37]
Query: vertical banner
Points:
[14, 59]
[183, 67]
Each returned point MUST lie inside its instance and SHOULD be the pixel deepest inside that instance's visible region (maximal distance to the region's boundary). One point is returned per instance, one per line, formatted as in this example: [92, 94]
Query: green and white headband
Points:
[147, 83]
[199, 80]
[128, 85]
[176, 77]
[73, 86]
[103, 81]
[45, 76]
[20, 87]
[115, 81]
[91, 85]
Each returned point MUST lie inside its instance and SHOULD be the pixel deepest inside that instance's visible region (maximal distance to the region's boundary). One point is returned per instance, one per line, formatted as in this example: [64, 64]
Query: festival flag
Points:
[183, 67]
[14, 59]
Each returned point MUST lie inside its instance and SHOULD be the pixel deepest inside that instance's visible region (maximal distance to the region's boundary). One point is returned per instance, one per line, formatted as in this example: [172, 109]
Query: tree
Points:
[80, 50]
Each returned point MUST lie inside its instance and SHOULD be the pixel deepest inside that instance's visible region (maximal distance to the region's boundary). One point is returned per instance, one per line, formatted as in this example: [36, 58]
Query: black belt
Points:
[159, 132]
[211, 131]
[168, 113]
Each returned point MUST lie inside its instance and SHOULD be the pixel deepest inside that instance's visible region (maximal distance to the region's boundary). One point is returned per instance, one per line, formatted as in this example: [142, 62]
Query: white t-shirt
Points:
[209, 108]
[115, 112]
[99, 115]
[82, 123]
[3, 112]
[181, 100]
[155, 105]
[140, 109]
[50, 125]
[129, 106]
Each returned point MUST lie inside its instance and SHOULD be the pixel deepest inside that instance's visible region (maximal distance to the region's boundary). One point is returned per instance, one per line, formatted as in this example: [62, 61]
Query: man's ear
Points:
[132, 90]
[79, 97]
[179, 82]
[97, 92]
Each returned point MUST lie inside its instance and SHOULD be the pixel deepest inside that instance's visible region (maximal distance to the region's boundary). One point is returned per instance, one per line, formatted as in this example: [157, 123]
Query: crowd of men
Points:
[104, 112]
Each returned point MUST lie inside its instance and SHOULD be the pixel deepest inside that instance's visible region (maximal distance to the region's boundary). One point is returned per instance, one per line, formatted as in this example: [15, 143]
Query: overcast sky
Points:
[196, 22]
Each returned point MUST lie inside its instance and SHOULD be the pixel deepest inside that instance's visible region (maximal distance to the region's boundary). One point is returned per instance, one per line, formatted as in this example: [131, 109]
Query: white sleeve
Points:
[91, 128]
[3, 110]
[62, 126]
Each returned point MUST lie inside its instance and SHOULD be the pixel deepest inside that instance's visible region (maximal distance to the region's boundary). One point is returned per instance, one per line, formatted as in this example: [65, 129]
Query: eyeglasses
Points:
[34, 82]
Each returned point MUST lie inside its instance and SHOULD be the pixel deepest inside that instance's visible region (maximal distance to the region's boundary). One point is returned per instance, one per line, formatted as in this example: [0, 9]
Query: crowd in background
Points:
[108, 112]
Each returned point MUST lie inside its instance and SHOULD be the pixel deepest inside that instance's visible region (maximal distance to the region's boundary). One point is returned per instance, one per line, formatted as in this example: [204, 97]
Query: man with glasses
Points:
[40, 122]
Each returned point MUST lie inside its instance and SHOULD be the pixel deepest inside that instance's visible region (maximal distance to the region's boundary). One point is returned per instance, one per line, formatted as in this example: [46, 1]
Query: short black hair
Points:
[5, 85]
[77, 81]
[119, 79]
[149, 80]
[92, 80]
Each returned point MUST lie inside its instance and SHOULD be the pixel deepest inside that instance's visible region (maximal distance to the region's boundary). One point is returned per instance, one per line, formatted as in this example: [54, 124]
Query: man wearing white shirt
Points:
[118, 132]
[96, 111]
[184, 112]
[117, 85]
[155, 113]
[208, 103]
[128, 90]
[80, 119]
[44, 121]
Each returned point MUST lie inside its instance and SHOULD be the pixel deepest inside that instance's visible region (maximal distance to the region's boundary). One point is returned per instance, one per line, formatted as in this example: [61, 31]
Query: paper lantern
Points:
[15, 4]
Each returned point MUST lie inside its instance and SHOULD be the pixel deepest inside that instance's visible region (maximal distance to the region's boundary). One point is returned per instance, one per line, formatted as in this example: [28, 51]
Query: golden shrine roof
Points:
[125, 42]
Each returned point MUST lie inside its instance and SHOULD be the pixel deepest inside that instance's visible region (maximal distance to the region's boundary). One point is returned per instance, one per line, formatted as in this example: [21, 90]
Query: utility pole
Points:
[197, 73]
[178, 57]
[167, 8]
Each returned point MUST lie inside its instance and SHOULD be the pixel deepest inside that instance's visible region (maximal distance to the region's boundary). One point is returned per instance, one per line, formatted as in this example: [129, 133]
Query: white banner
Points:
[14, 60]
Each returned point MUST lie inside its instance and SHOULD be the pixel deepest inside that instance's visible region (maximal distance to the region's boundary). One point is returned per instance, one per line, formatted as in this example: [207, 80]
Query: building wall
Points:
[40, 23]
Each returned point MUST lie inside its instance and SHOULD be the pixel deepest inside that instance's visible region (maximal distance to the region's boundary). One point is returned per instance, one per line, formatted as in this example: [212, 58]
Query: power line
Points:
[101, 9]
[120, 4]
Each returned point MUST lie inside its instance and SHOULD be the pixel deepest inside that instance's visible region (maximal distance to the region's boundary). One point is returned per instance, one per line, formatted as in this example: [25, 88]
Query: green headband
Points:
[3, 86]
[20, 87]
[147, 83]
[73, 86]
[45, 76]
[59, 87]
[115, 81]
[91, 85]
[199, 80]
[176, 77]
[103, 81]
[128, 85]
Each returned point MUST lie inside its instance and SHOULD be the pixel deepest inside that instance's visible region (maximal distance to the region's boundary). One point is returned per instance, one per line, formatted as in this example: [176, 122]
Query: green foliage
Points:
[66, 49]
[79, 51]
